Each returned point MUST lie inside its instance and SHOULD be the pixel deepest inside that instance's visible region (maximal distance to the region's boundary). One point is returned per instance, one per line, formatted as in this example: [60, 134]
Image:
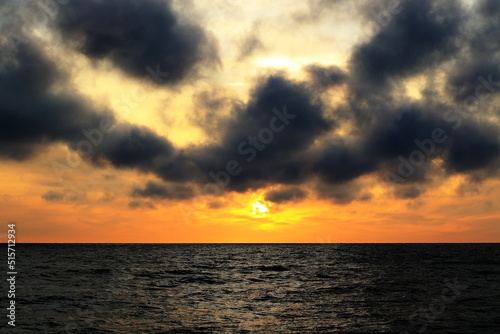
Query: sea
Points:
[256, 288]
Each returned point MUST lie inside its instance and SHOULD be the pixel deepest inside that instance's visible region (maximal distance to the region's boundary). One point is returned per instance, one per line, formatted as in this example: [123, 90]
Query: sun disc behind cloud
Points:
[259, 208]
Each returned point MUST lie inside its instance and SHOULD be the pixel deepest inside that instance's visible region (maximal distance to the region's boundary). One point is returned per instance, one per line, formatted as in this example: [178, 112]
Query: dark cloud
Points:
[405, 137]
[340, 194]
[134, 147]
[422, 34]
[338, 163]
[285, 134]
[294, 154]
[480, 57]
[484, 39]
[157, 190]
[141, 204]
[53, 196]
[489, 8]
[379, 146]
[408, 192]
[326, 76]
[277, 92]
[395, 135]
[468, 81]
[32, 113]
[77, 196]
[283, 119]
[473, 148]
[134, 34]
[285, 195]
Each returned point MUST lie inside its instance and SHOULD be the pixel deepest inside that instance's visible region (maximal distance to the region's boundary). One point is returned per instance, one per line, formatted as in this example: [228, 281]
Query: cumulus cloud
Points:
[341, 193]
[135, 34]
[286, 195]
[284, 134]
[53, 196]
[326, 76]
[157, 190]
[31, 113]
[421, 35]
[408, 192]
[77, 196]
[268, 135]
[474, 147]
[137, 204]
[480, 55]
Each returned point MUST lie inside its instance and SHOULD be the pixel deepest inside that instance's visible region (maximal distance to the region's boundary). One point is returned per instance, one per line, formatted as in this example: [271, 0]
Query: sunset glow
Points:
[259, 209]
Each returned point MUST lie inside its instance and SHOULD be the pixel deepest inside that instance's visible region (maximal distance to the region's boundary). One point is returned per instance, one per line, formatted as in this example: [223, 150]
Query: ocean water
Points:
[257, 288]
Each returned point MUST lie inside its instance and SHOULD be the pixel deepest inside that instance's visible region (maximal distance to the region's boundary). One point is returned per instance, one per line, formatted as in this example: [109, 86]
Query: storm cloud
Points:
[421, 35]
[157, 190]
[285, 195]
[326, 76]
[32, 114]
[269, 134]
[139, 34]
[287, 133]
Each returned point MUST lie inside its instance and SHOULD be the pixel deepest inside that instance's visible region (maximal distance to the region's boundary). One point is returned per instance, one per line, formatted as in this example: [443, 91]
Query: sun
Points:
[259, 208]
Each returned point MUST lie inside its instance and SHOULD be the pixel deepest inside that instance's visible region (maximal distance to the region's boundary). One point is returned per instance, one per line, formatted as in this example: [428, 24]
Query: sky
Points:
[315, 121]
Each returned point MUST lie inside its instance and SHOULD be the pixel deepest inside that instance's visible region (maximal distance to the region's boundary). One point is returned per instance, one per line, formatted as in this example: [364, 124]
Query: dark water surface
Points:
[258, 288]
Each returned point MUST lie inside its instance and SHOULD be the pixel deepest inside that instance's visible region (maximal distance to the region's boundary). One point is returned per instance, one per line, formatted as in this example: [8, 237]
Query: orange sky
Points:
[100, 214]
